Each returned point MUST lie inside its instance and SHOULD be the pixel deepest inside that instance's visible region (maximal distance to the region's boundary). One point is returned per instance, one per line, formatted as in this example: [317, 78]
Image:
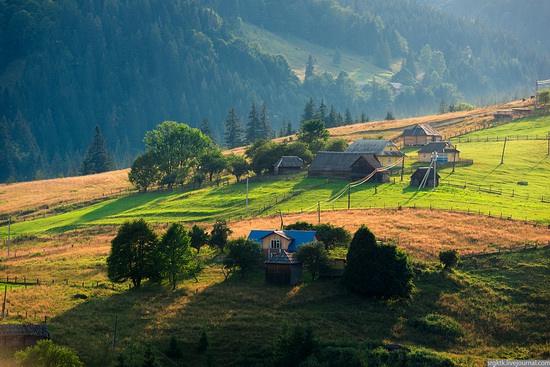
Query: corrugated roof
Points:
[421, 129]
[22, 330]
[296, 238]
[368, 146]
[439, 147]
[289, 161]
[283, 257]
[257, 235]
[421, 172]
[337, 161]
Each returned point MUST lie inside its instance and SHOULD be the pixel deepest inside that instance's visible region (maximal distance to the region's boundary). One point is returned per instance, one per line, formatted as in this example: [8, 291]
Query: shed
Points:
[420, 134]
[346, 165]
[287, 165]
[283, 269]
[22, 336]
[418, 176]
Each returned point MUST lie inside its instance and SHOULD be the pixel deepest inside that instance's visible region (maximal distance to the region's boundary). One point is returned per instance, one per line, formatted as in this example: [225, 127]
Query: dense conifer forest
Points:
[69, 66]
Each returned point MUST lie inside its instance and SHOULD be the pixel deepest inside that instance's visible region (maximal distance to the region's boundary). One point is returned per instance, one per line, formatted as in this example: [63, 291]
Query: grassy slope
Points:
[498, 302]
[296, 51]
[525, 160]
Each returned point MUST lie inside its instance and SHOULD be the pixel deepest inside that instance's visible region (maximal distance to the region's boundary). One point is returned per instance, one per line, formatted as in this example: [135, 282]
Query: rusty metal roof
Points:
[25, 330]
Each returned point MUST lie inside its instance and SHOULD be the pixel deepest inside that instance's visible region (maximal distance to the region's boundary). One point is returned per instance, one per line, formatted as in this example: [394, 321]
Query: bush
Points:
[449, 258]
[439, 325]
[47, 354]
[380, 357]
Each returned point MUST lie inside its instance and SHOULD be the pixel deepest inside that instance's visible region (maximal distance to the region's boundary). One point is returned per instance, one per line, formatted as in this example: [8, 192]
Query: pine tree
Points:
[97, 158]
[233, 130]
[289, 130]
[265, 125]
[309, 111]
[310, 67]
[253, 127]
[322, 113]
[332, 117]
[206, 129]
[349, 119]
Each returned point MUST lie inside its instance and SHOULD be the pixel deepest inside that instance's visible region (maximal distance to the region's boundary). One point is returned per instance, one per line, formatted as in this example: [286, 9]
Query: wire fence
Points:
[500, 138]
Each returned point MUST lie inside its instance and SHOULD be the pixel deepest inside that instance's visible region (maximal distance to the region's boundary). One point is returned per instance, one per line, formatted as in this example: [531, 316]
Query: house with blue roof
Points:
[274, 242]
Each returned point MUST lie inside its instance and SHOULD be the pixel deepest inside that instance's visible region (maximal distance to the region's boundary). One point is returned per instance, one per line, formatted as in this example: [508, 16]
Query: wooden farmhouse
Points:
[283, 269]
[386, 152]
[347, 165]
[420, 134]
[22, 336]
[420, 173]
[274, 242]
[446, 152]
[287, 165]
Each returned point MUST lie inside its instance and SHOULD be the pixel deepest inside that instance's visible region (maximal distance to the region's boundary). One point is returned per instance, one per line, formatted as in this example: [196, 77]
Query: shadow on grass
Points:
[242, 316]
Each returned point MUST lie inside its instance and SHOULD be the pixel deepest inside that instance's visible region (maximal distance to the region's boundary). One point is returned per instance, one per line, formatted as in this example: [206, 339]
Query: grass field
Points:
[497, 301]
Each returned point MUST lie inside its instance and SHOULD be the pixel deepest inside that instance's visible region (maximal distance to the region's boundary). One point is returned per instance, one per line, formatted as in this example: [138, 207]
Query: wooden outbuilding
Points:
[287, 165]
[22, 336]
[346, 165]
[283, 269]
[420, 173]
[420, 134]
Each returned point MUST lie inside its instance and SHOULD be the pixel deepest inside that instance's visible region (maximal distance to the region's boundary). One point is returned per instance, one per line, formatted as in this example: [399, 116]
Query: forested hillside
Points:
[67, 66]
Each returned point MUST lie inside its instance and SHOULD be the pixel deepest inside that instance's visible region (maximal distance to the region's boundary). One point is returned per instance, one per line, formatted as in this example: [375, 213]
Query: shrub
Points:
[439, 325]
[449, 258]
[47, 354]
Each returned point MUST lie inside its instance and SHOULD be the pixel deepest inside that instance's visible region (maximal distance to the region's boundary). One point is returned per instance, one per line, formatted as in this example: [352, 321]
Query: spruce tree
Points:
[233, 130]
[309, 111]
[349, 118]
[253, 127]
[322, 113]
[310, 67]
[206, 129]
[379, 270]
[265, 125]
[97, 158]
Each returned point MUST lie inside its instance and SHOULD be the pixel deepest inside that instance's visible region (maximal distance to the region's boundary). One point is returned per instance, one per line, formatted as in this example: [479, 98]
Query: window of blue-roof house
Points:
[276, 243]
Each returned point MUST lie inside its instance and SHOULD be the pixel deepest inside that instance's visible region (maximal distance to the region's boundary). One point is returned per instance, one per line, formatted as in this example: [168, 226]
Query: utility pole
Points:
[454, 159]
[9, 235]
[435, 170]
[318, 212]
[548, 152]
[503, 149]
[4, 303]
[114, 334]
[349, 196]
[247, 196]
[402, 168]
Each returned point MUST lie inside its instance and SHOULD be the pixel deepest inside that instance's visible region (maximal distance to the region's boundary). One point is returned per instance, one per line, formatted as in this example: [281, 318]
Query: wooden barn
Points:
[287, 165]
[418, 176]
[22, 336]
[346, 165]
[446, 152]
[420, 134]
[275, 242]
[283, 269]
[386, 152]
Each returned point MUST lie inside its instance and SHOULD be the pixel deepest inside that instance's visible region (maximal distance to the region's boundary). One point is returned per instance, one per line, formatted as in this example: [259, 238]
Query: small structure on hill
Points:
[446, 152]
[386, 152]
[275, 242]
[420, 134]
[283, 269]
[346, 165]
[22, 336]
[287, 165]
[418, 176]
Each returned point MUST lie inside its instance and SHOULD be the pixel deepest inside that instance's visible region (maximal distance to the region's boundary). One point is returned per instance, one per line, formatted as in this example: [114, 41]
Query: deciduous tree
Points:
[199, 237]
[219, 234]
[134, 253]
[243, 255]
[174, 253]
[314, 134]
[144, 171]
[314, 258]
